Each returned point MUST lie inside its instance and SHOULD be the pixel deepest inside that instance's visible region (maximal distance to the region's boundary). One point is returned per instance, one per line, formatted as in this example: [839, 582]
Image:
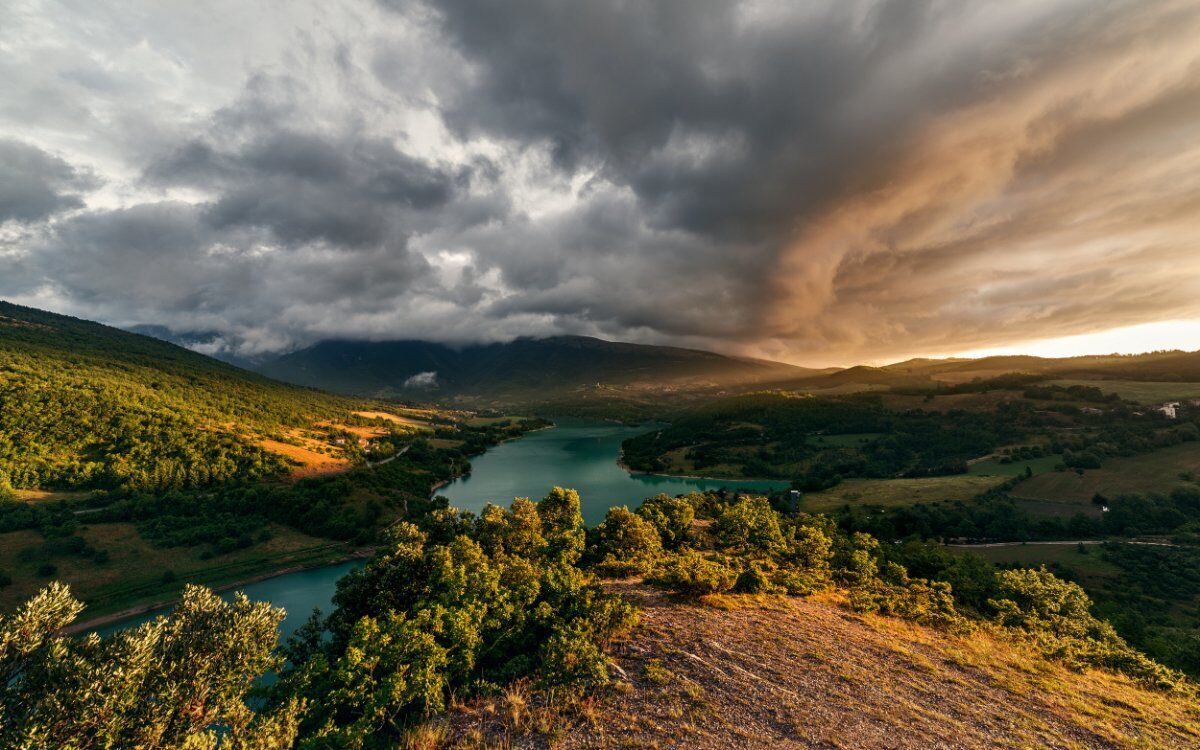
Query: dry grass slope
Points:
[807, 673]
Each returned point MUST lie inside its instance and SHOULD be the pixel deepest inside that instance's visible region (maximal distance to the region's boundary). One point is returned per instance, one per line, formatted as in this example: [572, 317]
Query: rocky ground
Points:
[808, 673]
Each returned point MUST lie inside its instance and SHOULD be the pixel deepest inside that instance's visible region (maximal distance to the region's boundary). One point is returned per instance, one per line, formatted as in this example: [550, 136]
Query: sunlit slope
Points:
[85, 405]
[807, 673]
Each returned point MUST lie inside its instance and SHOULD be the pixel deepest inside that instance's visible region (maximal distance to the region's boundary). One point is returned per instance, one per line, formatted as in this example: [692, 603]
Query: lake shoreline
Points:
[141, 609]
[636, 473]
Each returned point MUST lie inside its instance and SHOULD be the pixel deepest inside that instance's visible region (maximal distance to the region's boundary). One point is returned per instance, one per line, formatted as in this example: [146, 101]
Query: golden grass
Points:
[396, 417]
[808, 673]
[309, 462]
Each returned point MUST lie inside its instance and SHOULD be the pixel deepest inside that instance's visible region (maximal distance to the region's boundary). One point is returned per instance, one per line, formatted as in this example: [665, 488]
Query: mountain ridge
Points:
[524, 367]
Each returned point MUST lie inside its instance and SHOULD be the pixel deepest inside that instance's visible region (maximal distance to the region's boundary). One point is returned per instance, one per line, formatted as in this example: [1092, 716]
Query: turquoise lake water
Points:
[579, 454]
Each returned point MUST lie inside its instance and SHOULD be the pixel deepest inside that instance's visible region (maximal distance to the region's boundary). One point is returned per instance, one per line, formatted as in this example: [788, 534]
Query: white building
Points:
[1169, 409]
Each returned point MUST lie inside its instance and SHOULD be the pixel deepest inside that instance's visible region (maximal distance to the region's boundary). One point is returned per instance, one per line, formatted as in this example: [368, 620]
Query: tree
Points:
[624, 544]
[749, 526]
[430, 617]
[672, 516]
[562, 524]
[179, 681]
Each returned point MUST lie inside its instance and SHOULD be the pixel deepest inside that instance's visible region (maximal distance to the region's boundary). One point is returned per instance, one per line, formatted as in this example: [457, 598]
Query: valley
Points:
[729, 502]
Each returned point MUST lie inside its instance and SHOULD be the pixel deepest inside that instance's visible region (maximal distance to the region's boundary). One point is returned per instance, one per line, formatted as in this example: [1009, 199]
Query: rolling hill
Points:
[129, 464]
[523, 370]
[85, 405]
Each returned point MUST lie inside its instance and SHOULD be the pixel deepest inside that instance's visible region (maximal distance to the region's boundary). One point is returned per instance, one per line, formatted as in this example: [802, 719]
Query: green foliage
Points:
[176, 682]
[460, 606]
[784, 435]
[1056, 615]
[562, 520]
[672, 516]
[894, 593]
[749, 526]
[692, 573]
[624, 544]
[84, 405]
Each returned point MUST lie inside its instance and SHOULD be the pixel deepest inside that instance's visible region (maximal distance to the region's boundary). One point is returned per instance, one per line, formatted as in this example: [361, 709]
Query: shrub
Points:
[753, 580]
[691, 573]
[671, 516]
[1056, 615]
[624, 544]
[500, 600]
[898, 595]
[750, 526]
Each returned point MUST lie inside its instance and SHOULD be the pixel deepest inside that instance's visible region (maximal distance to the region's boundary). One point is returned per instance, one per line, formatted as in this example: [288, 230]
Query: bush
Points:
[1056, 615]
[624, 544]
[753, 580]
[179, 681]
[690, 573]
[672, 516]
[750, 526]
[459, 609]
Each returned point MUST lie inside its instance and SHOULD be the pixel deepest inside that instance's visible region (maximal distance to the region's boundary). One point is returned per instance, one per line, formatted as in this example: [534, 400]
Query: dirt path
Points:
[390, 458]
[1049, 544]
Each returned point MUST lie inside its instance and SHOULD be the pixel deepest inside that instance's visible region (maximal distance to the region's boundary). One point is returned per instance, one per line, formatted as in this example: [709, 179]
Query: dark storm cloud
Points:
[349, 191]
[35, 184]
[824, 182]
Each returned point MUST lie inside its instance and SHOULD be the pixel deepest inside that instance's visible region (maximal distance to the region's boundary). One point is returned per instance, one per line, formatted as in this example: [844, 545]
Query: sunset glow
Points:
[1148, 337]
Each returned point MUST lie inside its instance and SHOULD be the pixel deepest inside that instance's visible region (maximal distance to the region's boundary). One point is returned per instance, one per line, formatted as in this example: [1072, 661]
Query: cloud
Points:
[820, 182]
[35, 184]
[422, 380]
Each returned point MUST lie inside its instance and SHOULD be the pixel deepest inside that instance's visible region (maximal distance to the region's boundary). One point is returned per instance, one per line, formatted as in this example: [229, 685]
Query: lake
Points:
[576, 453]
[296, 592]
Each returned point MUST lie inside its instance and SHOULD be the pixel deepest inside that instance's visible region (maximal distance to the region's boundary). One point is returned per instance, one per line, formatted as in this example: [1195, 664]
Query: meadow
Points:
[1156, 471]
[894, 493]
[1140, 391]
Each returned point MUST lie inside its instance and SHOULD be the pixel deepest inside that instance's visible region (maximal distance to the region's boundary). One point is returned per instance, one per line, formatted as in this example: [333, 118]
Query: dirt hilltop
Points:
[808, 673]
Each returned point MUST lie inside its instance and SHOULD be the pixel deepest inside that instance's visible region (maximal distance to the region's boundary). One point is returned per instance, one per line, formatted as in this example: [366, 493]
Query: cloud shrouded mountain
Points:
[817, 182]
[523, 370]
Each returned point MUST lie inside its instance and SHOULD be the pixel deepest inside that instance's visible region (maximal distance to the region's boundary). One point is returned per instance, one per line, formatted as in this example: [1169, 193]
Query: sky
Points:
[819, 182]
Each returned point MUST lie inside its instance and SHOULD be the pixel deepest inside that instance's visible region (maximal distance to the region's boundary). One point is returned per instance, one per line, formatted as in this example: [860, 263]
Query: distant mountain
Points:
[209, 343]
[526, 369]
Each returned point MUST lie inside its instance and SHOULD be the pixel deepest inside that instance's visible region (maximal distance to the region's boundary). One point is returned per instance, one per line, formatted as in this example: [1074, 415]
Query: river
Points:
[575, 453]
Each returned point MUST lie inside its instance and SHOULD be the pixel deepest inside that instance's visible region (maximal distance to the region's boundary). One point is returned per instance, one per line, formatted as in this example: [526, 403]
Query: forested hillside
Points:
[128, 464]
[83, 405]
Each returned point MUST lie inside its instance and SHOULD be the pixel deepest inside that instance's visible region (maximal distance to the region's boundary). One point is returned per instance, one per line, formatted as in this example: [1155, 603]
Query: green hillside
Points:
[83, 405]
[129, 465]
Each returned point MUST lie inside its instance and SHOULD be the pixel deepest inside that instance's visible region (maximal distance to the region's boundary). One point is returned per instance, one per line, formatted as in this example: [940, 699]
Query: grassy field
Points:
[1141, 391]
[993, 468]
[136, 570]
[898, 492]
[1068, 554]
[1153, 472]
